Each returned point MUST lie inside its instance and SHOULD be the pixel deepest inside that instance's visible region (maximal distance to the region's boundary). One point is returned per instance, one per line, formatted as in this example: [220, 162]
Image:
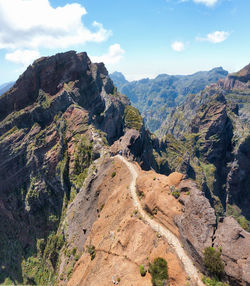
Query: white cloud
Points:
[206, 2]
[24, 57]
[215, 37]
[113, 56]
[178, 46]
[34, 24]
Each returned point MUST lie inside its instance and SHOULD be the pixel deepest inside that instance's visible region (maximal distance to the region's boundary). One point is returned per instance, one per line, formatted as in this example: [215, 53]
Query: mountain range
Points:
[5, 87]
[156, 98]
[89, 196]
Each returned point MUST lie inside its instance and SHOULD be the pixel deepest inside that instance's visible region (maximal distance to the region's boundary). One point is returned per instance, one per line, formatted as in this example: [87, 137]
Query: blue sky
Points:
[141, 38]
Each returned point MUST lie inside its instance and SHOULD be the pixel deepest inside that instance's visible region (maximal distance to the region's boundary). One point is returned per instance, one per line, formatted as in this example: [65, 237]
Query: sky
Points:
[140, 38]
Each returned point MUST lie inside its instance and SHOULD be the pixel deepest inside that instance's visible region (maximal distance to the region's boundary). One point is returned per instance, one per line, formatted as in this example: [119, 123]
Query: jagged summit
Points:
[50, 75]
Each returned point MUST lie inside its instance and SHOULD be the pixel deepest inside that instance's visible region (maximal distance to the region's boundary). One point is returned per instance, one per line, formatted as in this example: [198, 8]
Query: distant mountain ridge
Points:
[156, 98]
[5, 87]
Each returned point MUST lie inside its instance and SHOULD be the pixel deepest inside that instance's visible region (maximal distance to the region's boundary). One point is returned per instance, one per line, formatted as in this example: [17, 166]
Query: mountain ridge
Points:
[166, 91]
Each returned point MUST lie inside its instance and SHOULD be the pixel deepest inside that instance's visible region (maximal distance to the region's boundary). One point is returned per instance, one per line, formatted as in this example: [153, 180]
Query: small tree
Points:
[159, 271]
[213, 262]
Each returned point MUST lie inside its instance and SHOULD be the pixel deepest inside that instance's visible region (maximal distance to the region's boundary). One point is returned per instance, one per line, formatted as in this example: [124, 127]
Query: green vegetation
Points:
[44, 99]
[83, 159]
[91, 251]
[113, 174]
[213, 262]
[235, 212]
[140, 194]
[209, 171]
[176, 194]
[143, 271]
[213, 282]
[159, 271]
[9, 132]
[69, 271]
[132, 118]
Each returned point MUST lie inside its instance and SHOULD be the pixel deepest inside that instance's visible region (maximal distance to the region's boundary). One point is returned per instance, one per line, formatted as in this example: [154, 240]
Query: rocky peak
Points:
[50, 75]
[238, 80]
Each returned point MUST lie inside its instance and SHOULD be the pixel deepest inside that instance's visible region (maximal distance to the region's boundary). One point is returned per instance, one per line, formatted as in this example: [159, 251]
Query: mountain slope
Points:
[58, 118]
[156, 98]
[213, 129]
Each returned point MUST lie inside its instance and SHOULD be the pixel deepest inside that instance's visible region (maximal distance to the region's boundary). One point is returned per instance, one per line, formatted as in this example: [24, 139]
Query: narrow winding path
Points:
[190, 269]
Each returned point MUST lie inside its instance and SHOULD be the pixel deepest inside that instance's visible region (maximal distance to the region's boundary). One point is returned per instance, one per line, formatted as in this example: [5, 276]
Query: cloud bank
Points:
[29, 25]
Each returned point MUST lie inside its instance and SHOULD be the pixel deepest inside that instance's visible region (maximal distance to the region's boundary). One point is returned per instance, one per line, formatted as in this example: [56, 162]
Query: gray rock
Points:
[197, 223]
[235, 244]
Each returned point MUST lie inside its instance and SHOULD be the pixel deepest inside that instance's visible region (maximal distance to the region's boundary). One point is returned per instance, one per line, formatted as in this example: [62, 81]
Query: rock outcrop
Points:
[199, 229]
[197, 223]
[235, 245]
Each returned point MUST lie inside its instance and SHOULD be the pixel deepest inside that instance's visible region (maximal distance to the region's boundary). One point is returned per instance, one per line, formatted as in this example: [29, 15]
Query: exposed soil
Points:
[122, 240]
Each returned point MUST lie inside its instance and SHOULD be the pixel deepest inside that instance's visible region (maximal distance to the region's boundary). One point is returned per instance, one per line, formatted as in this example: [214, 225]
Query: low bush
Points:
[159, 271]
[176, 194]
[213, 262]
[143, 271]
[213, 282]
[91, 251]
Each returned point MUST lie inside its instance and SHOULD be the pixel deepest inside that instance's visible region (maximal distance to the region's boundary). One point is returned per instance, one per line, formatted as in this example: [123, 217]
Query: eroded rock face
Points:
[57, 119]
[209, 141]
[197, 223]
[239, 80]
[235, 245]
[199, 229]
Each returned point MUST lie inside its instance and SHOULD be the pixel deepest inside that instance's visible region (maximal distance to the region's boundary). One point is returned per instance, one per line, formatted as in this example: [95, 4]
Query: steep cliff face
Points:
[56, 120]
[212, 129]
[199, 229]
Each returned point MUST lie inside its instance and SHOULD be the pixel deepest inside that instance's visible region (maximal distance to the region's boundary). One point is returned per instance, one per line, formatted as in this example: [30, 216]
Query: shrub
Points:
[69, 271]
[213, 282]
[213, 262]
[143, 271]
[113, 174]
[159, 271]
[176, 194]
[91, 251]
[74, 251]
